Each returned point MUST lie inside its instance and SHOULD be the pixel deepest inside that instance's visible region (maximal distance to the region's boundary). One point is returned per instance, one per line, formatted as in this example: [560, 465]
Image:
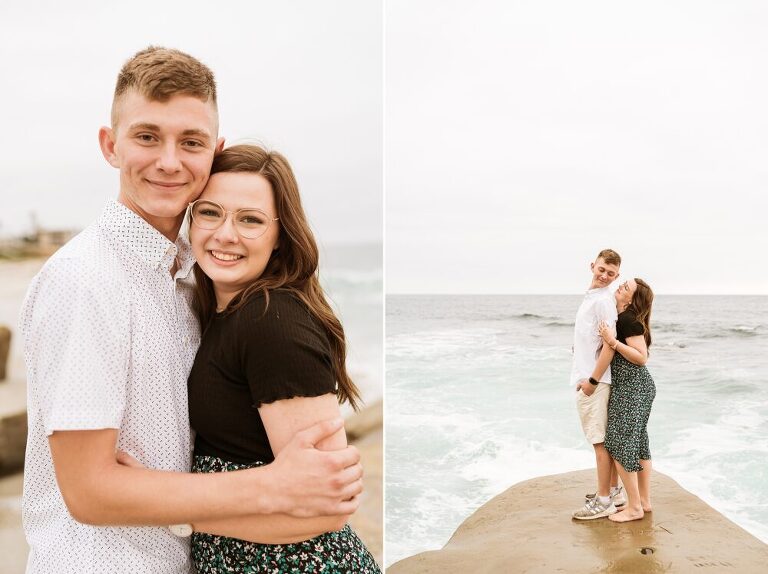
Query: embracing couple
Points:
[614, 390]
[125, 350]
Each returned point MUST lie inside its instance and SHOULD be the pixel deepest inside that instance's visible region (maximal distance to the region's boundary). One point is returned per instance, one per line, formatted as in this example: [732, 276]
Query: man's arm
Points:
[303, 481]
[282, 419]
[603, 360]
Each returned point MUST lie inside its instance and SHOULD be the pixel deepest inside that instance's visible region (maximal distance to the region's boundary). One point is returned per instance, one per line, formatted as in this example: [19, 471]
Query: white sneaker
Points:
[616, 494]
[593, 508]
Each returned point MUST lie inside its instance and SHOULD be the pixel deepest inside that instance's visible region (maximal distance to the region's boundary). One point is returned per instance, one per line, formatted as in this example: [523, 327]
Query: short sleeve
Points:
[285, 350]
[629, 326]
[77, 345]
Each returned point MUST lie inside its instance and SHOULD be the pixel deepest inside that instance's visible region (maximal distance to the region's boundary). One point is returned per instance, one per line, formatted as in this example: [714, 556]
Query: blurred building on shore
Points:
[40, 242]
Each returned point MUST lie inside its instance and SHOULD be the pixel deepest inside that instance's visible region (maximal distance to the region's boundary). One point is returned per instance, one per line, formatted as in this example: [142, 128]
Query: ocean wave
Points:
[668, 345]
[668, 327]
[741, 331]
[560, 324]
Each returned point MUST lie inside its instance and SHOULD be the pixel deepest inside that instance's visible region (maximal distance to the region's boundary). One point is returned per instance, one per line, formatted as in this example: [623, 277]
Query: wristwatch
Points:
[593, 381]
[181, 530]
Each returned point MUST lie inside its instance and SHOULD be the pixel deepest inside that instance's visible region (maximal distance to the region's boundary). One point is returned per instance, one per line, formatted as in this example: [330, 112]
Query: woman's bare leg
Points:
[633, 510]
[644, 485]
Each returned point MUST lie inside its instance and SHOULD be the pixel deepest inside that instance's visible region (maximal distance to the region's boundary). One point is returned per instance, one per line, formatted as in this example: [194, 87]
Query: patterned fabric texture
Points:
[330, 553]
[632, 394]
[109, 339]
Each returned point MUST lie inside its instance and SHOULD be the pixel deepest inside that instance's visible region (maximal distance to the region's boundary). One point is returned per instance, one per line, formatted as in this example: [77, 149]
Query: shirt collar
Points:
[598, 290]
[147, 243]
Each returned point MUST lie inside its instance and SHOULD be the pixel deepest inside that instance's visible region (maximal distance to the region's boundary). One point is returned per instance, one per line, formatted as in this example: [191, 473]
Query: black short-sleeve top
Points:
[248, 358]
[627, 325]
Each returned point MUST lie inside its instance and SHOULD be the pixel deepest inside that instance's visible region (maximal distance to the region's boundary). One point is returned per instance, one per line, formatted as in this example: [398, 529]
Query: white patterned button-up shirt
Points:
[598, 305]
[109, 341]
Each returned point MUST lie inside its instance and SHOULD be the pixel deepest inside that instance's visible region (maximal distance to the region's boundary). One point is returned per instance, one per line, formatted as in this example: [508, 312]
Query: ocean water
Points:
[351, 276]
[477, 399]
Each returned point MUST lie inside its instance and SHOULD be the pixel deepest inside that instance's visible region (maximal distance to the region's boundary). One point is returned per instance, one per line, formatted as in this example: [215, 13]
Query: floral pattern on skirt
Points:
[632, 394]
[339, 552]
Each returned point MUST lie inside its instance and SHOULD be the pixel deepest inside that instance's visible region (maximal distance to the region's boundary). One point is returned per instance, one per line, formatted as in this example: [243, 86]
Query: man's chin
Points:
[166, 209]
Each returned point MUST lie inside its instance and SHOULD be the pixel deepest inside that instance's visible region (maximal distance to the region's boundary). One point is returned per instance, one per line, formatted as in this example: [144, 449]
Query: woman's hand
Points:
[607, 334]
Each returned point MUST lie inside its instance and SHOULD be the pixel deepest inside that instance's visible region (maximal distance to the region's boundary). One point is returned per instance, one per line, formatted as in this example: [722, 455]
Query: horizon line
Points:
[430, 294]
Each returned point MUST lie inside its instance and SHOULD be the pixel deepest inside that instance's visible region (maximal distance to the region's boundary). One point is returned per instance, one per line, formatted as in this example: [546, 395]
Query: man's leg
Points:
[600, 505]
[614, 475]
[593, 414]
[604, 464]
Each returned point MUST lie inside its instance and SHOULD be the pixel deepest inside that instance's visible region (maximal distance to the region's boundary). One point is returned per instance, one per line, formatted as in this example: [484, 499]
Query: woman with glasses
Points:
[271, 361]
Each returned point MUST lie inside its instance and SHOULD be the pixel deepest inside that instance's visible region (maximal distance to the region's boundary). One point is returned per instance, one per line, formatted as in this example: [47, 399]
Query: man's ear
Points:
[219, 145]
[107, 145]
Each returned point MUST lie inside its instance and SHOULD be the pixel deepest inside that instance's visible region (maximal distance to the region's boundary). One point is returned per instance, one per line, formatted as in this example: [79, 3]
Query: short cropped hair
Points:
[610, 257]
[160, 73]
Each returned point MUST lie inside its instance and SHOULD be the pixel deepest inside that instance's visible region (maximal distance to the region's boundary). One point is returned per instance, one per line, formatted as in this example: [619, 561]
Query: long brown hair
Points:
[291, 267]
[641, 304]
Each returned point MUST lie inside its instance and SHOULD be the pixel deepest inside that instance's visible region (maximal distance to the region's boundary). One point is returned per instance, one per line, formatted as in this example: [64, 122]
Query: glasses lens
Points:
[251, 222]
[207, 215]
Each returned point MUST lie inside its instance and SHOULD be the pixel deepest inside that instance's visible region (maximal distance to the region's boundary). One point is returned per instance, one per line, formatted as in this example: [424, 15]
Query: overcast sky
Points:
[523, 137]
[303, 77]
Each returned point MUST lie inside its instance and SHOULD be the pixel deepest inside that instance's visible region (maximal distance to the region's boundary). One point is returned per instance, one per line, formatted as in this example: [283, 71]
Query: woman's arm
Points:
[634, 350]
[282, 419]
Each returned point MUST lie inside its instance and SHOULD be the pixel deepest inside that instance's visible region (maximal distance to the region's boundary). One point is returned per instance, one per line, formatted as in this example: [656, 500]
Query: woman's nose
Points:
[227, 231]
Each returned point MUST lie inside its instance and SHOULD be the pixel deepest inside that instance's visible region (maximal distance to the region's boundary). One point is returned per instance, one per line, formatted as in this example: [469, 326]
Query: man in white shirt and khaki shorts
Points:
[591, 376]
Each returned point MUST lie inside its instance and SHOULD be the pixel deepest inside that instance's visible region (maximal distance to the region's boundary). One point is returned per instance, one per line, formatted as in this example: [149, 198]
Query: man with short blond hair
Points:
[591, 377]
[109, 341]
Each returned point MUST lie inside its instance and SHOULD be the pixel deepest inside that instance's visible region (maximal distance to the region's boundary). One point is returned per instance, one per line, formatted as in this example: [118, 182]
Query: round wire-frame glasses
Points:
[250, 222]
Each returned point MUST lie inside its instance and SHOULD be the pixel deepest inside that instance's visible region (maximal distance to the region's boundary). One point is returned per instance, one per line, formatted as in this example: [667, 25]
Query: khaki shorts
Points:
[593, 412]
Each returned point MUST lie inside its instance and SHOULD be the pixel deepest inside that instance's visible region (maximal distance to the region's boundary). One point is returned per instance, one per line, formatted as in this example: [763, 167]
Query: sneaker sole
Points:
[603, 514]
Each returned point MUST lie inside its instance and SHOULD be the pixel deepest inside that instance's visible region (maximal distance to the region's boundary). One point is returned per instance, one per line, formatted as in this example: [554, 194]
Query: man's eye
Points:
[146, 137]
[193, 143]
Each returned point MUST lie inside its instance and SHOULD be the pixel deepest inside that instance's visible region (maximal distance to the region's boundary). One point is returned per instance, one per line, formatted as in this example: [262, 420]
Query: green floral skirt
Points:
[339, 552]
[632, 394]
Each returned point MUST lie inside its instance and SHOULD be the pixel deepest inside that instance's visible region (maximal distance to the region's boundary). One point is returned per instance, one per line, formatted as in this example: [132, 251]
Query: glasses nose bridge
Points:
[235, 232]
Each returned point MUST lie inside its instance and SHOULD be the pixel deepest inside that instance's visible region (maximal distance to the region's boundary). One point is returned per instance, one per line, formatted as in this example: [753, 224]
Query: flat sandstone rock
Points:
[528, 528]
[367, 436]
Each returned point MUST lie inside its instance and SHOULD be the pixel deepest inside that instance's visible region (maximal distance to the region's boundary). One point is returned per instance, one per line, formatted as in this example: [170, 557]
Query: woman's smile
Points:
[224, 256]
